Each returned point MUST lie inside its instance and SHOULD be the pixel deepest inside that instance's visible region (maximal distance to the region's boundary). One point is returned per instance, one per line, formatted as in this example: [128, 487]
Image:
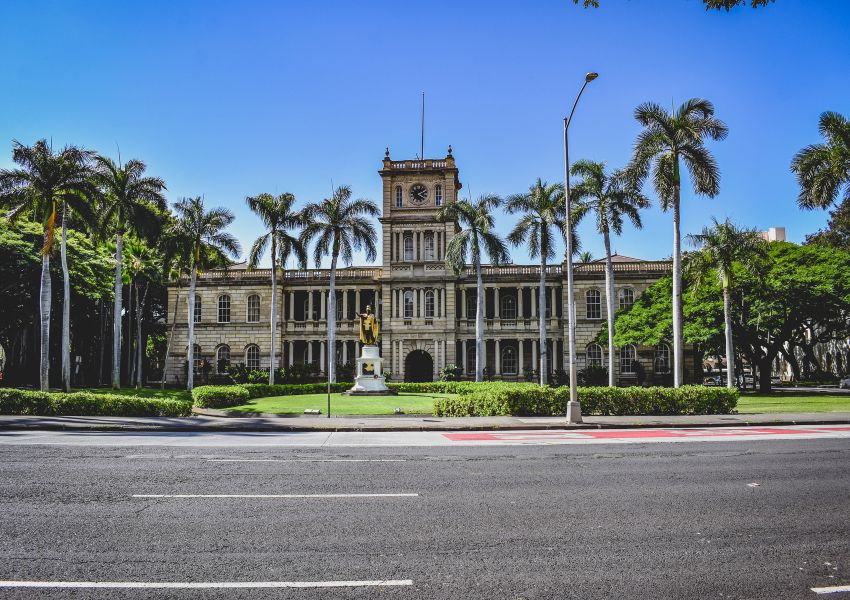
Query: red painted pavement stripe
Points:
[635, 433]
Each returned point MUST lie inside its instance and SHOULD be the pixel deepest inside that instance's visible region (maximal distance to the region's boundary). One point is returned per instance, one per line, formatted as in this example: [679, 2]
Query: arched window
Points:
[626, 297]
[508, 307]
[408, 247]
[408, 304]
[197, 308]
[628, 357]
[429, 246]
[509, 361]
[438, 195]
[662, 359]
[222, 359]
[593, 304]
[196, 358]
[399, 196]
[224, 308]
[253, 308]
[594, 355]
[429, 304]
[252, 357]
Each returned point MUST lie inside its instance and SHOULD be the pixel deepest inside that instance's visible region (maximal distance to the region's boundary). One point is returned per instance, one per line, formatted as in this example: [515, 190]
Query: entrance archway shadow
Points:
[418, 367]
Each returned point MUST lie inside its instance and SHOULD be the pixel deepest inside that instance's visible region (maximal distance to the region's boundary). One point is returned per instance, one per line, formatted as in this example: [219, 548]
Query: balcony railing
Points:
[419, 164]
[368, 273]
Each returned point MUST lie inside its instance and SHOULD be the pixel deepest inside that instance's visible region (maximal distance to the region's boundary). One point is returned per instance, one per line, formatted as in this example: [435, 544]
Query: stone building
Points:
[427, 313]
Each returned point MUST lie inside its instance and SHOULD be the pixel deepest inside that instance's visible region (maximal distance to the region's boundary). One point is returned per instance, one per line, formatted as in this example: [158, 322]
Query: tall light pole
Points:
[573, 407]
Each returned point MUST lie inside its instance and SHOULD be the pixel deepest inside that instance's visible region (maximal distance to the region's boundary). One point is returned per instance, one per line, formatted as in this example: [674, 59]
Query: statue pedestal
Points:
[369, 378]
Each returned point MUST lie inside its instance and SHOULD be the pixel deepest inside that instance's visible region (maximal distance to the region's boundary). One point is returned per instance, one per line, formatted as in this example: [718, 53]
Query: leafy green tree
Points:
[144, 267]
[132, 201]
[611, 199]
[823, 170]
[541, 211]
[837, 231]
[799, 289]
[475, 238]
[667, 140]
[278, 218]
[720, 248]
[199, 234]
[339, 226]
[44, 182]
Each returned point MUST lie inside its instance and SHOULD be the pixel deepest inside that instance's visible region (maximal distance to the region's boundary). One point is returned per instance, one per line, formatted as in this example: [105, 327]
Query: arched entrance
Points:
[418, 366]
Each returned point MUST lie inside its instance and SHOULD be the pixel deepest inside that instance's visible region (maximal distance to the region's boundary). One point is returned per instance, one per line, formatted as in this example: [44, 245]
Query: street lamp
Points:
[573, 407]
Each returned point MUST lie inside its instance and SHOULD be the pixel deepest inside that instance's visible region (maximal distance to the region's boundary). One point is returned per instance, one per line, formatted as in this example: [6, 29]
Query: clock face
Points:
[418, 194]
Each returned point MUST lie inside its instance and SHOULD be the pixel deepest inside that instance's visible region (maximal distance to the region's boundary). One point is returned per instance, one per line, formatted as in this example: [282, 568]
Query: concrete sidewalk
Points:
[405, 423]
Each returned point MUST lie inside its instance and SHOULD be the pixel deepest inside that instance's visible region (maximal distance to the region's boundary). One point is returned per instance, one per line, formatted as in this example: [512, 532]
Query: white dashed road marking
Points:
[284, 496]
[831, 590]
[203, 585]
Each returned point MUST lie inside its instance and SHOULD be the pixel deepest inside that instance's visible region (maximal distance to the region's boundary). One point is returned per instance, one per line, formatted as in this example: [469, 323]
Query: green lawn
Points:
[781, 402]
[411, 404]
[166, 394]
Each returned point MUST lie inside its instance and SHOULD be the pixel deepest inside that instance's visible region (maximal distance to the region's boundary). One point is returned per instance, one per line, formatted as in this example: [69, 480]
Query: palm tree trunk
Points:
[116, 314]
[170, 337]
[129, 373]
[140, 302]
[45, 298]
[541, 320]
[480, 357]
[190, 377]
[273, 316]
[609, 305]
[678, 353]
[730, 348]
[331, 321]
[66, 305]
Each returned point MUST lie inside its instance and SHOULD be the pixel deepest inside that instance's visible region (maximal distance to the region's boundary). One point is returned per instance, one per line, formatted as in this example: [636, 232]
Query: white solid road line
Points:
[321, 460]
[204, 584]
[275, 495]
[831, 590]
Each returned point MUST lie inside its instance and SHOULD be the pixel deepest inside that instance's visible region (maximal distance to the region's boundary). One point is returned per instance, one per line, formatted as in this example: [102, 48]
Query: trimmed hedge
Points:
[526, 401]
[27, 402]
[219, 396]
[224, 396]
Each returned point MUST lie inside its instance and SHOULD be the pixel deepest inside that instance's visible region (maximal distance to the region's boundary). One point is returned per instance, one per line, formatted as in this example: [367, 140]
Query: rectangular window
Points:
[408, 304]
[253, 309]
[593, 304]
[197, 308]
[438, 195]
[224, 309]
[429, 246]
[408, 248]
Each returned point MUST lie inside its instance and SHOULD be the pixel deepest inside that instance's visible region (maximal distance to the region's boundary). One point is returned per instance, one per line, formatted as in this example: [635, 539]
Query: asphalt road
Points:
[640, 520]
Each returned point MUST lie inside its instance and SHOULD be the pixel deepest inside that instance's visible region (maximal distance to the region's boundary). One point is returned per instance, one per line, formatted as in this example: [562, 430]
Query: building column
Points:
[534, 303]
[554, 310]
[415, 303]
[463, 303]
[497, 308]
[521, 363]
[345, 304]
[310, 301]
[357, 301]
[498, 357]
[344, 352]
[436, 356]
[310, 352]
[322, 357]
[463, 360]
[376, 308]
[291, 306]
[323, 313]
[519, 308]
[534, 364]
[443, 302]
[291, 353]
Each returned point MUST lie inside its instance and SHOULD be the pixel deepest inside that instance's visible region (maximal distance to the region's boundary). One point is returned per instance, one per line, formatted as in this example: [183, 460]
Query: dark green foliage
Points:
[219, 396]
[593, 375]
[26, 402]
[523, 400]
[451, 372]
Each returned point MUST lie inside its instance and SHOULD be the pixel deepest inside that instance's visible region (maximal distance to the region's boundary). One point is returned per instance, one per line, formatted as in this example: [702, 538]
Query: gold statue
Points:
[368, 327]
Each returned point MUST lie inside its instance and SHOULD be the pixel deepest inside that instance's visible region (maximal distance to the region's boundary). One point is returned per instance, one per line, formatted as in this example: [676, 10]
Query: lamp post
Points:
[573, 407]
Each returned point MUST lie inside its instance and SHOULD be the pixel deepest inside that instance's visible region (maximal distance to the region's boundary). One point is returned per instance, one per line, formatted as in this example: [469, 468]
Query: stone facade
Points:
[426, 312]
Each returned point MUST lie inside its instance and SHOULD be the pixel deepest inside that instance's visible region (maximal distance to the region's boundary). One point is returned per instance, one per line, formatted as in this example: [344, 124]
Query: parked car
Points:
[844, 384]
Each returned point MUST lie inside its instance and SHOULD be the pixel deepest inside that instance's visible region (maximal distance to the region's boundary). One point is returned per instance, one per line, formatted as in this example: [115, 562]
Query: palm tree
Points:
[610, 198]
[669, 138]
[144, 264]
[824, 169]
[475, 237]
[541, 211]
[131, 203]
[720, 247]
[278, 218]
[339, 225]
[199, 234]
[44, 180]
[585, 257]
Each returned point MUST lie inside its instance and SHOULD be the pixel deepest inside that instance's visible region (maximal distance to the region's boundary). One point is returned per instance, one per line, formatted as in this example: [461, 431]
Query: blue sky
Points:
[229, 99]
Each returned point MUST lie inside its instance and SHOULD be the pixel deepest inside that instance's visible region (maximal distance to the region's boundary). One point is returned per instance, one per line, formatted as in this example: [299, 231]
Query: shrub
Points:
[450, 372]
[531, 400]
[593, 375]
[219, 396]
[26, 402]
